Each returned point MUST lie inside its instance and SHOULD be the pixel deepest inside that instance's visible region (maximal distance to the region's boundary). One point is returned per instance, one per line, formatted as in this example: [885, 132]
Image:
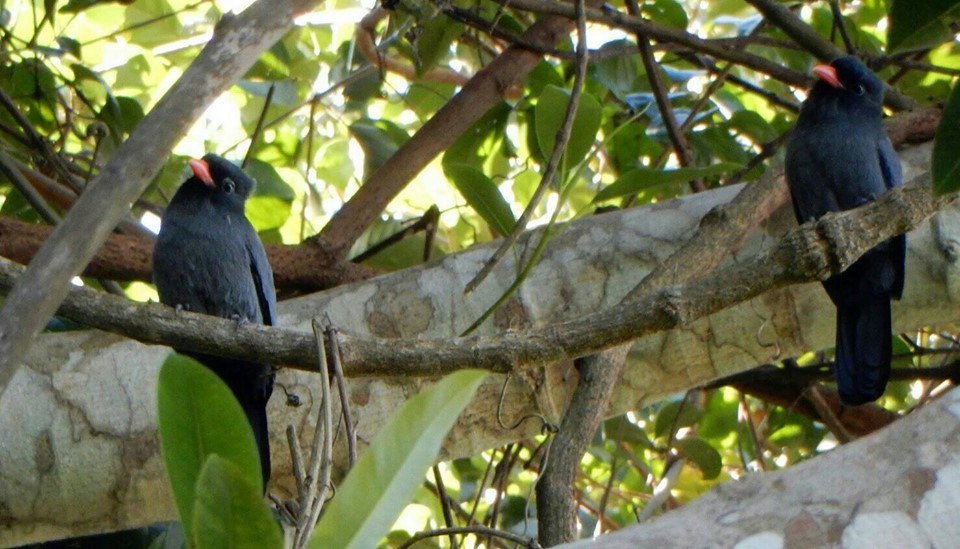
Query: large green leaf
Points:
[548, 118]
[639, 179]
[701, 454]
[918, 25]
[946, 161]
[390, 471]
[483, 196]
[229, 511]
[198, 416]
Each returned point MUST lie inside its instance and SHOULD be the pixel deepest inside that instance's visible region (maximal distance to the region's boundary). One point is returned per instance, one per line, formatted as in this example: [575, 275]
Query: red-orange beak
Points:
[202, 171]
[828, 74]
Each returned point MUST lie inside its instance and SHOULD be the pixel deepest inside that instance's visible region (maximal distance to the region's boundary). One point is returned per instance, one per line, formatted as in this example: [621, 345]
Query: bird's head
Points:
[222, 177]
[848, 77]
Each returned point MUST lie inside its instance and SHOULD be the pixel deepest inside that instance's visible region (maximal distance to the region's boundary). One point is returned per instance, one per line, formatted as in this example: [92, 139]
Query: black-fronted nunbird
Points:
[839, 158]
[209, 259]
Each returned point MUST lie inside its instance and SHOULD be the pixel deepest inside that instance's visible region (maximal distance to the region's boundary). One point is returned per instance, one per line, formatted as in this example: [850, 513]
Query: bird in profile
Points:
[209, 259]
[839, 158]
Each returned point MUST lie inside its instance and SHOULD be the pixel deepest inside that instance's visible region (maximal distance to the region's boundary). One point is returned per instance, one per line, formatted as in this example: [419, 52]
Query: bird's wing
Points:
[262, 278]
[889, 163]
[893, 177]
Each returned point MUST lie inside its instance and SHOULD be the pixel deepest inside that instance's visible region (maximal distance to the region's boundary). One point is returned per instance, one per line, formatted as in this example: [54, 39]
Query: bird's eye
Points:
[228, 185]
[861, 90]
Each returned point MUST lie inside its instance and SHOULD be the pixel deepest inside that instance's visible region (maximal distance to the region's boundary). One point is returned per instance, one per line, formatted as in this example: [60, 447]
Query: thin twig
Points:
[662, 490]
[840, 26]
[321, 455]
[331, 334]
[258, 130]
[445, 505]
[9, 168]
[427, 220]
[827, 416]
[662, 97]
[296, 456]
[748, 419]
[559, 147]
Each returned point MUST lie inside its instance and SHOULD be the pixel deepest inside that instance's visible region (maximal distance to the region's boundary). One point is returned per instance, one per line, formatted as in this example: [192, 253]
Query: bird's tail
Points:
[863, 349]
[257, 416]
[252, 385]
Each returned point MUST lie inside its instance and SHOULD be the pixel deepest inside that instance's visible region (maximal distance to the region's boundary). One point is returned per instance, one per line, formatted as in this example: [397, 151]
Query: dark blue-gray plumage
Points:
[839, 158]
[209, 259]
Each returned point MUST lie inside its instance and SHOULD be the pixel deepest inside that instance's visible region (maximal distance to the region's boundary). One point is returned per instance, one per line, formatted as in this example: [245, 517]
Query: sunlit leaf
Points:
[267, 212]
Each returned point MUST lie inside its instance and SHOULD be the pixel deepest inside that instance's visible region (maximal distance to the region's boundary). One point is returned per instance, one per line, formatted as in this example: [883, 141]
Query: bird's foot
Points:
[239, 319]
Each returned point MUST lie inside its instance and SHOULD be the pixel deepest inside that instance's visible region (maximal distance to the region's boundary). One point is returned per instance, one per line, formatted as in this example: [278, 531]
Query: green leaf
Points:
[919, 25]
[477, 143]
[434, 41]
[543, 75]
[946, 161]
[69, 45]
[379, 140]
[267, 212]
[483, 196]
[666, 12]
[674, 415]
[198, 416]
[390, 471]
[548, 118]
[621, 429]
[269, 182]
[640, 179]
[619, 73]
[229, 511]
[701, 454]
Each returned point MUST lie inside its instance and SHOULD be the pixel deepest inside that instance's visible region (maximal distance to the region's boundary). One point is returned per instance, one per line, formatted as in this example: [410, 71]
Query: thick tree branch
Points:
[237, 43]
[811, 252]
[296, 268]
